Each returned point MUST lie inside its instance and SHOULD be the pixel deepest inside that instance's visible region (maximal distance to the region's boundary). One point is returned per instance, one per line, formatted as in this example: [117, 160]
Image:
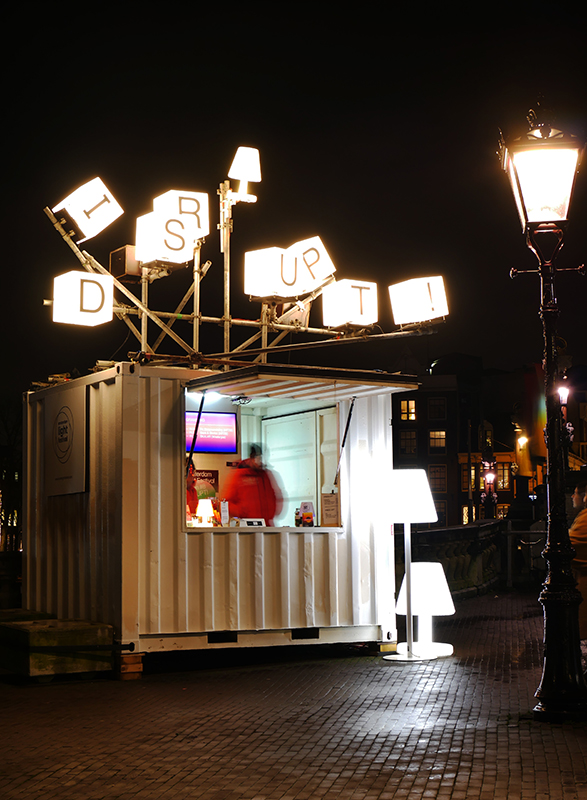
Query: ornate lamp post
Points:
[541, 167]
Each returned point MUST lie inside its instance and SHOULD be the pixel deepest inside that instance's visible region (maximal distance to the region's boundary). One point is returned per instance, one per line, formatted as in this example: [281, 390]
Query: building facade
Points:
[477, 434]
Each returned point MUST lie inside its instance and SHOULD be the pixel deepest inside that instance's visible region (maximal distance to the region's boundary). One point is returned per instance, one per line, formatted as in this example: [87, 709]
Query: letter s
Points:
[172, 233]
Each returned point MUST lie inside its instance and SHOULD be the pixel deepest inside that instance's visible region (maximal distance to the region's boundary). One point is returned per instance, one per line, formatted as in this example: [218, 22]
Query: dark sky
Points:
[376, 133]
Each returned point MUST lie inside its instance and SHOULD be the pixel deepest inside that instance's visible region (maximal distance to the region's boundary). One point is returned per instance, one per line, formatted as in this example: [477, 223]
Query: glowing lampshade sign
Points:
[180, 219]
[170, 232]
[83, 298]
[418, 300]
[305, 267]
[246, 168]
[296, 270]
[349, 302]
[92, 207]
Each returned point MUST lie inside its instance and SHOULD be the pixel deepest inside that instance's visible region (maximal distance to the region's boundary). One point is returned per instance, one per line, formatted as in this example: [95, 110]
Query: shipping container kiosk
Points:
[105, 531]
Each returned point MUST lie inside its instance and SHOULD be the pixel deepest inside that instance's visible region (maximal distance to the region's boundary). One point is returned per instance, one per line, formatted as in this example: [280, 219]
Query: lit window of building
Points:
[464, 479]
[465, 514]
[408, 410]
[437, 441]
[503, 475]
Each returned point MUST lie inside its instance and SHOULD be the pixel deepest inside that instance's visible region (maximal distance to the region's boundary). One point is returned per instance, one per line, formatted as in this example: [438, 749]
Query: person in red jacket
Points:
[191, 493]
[252, 491]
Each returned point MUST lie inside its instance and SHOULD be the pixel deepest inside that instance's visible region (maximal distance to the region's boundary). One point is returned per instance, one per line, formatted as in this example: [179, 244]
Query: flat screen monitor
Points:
[217, 432]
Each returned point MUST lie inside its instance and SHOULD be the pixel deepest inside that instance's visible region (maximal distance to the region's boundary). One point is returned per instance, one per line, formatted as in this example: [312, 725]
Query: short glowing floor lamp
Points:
[411, 501]
[430, 598]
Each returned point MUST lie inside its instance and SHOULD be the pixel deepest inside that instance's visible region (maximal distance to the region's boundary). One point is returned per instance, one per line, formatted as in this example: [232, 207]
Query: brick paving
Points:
[305, 723]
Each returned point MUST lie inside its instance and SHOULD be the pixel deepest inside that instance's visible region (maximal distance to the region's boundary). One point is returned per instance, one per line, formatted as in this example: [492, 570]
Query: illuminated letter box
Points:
[169, 233]
[418, 300]
[349, 302]
[83, 298]
[297, 270]
[92, 207]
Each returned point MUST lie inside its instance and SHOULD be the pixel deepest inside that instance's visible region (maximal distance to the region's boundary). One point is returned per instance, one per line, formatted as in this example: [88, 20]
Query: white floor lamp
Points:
[411, 501]
[430, 598]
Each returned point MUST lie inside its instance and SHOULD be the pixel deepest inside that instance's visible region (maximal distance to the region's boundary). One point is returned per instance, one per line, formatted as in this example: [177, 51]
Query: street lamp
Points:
[489, 497]
[541, 167]
[563, 393]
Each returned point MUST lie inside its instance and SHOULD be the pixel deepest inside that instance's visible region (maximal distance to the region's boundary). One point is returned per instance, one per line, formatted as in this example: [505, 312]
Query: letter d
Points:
[86, 310]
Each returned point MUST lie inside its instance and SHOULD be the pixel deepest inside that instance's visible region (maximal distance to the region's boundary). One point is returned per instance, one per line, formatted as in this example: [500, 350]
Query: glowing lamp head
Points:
[430, 593]
[205, 513]
[563, 393]
[245, 167]
[410, 497]
[541, 167]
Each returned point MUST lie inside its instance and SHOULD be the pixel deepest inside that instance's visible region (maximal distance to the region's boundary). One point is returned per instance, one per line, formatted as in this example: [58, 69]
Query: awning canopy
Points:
[262, 383]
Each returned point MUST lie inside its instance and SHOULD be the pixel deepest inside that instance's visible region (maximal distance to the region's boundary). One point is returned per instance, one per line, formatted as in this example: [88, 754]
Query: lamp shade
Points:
[410, 497]
[205, 513]
[246, 165]
[430, 593]
[541, 167]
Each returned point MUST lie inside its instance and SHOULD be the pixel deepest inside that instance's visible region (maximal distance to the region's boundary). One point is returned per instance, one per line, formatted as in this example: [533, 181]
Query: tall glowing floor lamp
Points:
[411, 501]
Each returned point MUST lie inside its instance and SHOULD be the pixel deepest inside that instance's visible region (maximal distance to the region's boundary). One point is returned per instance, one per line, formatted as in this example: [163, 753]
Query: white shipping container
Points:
[105, 527]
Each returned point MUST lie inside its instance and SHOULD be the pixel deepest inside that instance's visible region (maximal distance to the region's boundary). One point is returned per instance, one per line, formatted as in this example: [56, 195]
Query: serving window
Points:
[300, 449]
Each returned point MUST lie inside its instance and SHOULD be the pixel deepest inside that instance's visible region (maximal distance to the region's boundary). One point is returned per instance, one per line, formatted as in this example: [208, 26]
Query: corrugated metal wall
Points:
[72, 542]
[364, 482]
[252, 580]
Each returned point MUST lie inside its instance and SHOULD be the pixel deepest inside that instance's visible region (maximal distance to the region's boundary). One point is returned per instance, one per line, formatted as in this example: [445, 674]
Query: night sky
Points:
[378, 134]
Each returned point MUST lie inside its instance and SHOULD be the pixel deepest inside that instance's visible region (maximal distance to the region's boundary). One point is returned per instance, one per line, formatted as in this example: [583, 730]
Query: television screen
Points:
[217, 432]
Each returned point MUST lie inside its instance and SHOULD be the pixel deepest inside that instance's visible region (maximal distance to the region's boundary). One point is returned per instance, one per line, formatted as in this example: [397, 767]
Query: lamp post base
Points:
[560, 712]
[427, 649]
[562, 694]
[409, 657]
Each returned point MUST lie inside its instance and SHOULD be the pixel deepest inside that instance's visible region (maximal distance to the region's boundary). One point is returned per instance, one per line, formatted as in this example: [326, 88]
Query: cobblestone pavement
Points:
[305, 724]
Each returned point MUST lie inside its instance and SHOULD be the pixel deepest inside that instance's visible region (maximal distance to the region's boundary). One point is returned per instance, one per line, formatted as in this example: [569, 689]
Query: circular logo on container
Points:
[63, 434]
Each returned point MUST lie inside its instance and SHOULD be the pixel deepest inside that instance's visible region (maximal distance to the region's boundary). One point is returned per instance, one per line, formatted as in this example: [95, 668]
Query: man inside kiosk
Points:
[252, 491]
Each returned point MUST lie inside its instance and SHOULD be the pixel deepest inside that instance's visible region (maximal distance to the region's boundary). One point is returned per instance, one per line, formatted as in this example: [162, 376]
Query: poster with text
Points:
[65, 441]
